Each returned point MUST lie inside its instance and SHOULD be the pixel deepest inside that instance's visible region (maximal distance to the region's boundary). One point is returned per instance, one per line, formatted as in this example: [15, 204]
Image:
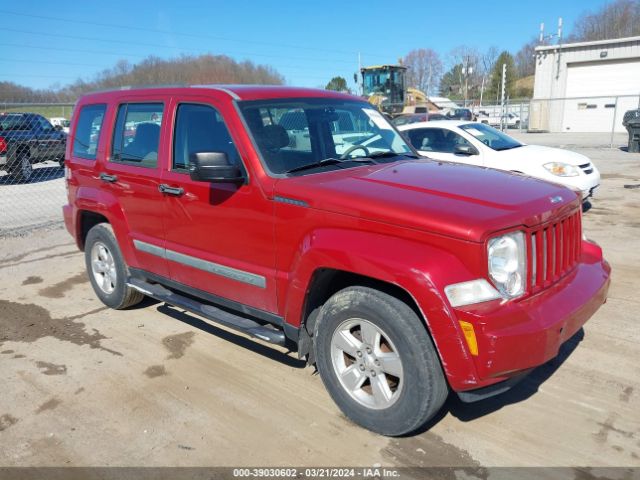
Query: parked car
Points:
[437, 116]
[476, 143]
[407, 118]
[26, 139]
[509, 120]
[60, 122]
[401, 279]
[460, 114]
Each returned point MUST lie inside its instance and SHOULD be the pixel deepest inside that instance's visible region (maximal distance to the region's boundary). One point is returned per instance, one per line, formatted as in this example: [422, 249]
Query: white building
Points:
[585, 87]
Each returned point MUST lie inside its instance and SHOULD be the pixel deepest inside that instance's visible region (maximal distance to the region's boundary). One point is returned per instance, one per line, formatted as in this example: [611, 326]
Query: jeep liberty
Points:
[302, 218]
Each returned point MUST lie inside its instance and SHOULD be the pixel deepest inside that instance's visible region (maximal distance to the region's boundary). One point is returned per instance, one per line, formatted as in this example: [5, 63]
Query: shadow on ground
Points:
[237, 339]
[521, 391]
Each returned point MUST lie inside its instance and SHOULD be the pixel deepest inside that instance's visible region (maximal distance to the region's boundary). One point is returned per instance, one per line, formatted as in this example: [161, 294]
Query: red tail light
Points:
[3, 145]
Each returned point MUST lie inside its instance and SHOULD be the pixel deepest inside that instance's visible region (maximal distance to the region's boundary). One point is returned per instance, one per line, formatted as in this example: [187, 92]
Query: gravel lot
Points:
[153, 386]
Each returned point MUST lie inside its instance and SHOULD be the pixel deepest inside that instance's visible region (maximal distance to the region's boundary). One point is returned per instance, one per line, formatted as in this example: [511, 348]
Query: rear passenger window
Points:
[87, 135]
[136, 137]
[200, 128]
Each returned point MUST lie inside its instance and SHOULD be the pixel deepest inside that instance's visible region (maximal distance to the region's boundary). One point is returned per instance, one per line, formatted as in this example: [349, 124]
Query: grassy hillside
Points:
[188, 70]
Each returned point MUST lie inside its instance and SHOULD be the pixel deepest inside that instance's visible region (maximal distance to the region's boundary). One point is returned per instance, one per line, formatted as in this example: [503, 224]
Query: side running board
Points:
[217, 315]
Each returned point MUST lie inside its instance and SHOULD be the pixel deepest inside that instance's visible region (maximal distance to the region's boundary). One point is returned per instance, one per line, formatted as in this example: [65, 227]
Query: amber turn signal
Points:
[470, 337]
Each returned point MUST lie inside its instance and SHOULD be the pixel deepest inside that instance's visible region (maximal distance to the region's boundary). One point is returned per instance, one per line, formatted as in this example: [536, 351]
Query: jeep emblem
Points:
[555, 199]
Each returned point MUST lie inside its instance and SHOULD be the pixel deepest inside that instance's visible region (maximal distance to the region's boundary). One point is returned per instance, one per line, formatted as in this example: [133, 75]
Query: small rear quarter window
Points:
[87, 134]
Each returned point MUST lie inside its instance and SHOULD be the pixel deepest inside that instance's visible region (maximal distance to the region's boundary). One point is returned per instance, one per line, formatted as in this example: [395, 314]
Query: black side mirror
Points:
[465, 150]
[214, 167]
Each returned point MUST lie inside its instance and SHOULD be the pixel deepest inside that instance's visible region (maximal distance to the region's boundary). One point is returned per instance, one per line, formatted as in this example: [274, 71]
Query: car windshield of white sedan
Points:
[305, 135]
[491, 137]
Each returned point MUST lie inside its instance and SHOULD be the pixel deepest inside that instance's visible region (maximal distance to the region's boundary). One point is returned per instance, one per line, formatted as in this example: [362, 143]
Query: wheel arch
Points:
[414, 272]
[88, 219]
[326, 282]
[93, 206]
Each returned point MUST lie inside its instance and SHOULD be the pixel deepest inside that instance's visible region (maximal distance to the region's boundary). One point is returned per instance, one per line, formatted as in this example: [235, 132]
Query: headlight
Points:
[508, 263]
[562, 169]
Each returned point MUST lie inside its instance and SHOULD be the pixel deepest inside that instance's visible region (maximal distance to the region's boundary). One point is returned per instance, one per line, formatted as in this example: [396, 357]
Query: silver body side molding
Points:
[205, 265]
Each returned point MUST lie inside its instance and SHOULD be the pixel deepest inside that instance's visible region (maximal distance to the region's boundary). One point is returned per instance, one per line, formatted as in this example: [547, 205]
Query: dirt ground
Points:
[83, 385]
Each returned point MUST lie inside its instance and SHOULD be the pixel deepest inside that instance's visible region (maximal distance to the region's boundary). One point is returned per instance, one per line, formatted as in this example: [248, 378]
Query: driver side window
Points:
[200, 128]
[452, 140]
[436, 140]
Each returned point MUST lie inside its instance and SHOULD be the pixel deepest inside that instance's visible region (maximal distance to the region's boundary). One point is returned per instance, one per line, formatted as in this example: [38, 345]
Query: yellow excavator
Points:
[384, 86]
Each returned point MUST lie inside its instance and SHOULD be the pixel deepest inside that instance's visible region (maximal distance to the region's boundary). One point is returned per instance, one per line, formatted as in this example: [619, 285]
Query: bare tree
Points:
[425, 69]
[524, 58]
[620, 18]
[488, 60]
[470, 71]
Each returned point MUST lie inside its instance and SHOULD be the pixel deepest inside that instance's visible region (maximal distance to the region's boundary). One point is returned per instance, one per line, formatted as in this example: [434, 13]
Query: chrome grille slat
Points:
[555, 251]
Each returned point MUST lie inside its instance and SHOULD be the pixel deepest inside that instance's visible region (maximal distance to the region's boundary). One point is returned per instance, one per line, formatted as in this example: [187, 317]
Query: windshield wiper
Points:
[329, 161]
[508, 148]
[390, 154]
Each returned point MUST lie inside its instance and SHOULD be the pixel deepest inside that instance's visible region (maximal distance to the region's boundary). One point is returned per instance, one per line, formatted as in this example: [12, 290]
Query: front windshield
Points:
[491, 137]
[293, 133]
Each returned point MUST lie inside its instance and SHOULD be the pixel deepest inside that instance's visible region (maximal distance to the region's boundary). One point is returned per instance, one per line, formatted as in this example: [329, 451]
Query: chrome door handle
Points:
[105, 177]
[175, 191]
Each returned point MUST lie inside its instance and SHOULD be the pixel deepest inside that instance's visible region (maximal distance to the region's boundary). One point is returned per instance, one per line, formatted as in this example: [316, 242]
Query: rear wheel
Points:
[21, 169]
[106, 268]
[378, 362]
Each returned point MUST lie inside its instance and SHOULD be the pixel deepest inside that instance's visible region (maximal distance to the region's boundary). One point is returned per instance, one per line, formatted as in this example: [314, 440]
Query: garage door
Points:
[594, 79]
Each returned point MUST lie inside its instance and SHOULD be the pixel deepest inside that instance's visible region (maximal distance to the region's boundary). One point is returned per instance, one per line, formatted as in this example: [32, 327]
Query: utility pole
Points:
[502, 93]
[359, 84]
[466, 71]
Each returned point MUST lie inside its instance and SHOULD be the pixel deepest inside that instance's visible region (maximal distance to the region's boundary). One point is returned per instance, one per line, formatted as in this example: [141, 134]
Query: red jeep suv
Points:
[302, 218]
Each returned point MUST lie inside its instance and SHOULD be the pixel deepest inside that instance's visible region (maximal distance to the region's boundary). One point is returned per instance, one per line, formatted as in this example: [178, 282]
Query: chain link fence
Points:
[33, 140]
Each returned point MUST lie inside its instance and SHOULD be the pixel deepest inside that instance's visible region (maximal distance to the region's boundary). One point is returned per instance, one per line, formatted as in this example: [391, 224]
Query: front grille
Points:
[586, 168]
[554, 250]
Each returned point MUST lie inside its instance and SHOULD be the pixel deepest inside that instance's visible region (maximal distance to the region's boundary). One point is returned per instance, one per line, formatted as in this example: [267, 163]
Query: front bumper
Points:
[515, 336]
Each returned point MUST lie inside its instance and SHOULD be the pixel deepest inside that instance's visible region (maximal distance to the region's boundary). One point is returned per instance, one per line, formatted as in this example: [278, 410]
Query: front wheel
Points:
[377, 361]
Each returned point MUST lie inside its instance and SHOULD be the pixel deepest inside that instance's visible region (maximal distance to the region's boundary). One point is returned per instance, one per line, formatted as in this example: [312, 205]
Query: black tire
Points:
[20, 169]
[424, 388]
[121, 296]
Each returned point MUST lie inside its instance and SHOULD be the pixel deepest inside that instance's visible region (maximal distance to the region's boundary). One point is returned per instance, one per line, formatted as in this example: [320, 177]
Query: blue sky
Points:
[307, 42]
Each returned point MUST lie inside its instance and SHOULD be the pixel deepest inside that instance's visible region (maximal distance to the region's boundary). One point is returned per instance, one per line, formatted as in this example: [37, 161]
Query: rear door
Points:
[220, 236]
[132, 174]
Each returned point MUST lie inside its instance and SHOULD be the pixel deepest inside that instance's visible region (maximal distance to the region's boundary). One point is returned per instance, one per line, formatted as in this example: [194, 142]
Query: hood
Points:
[451, 199]
[541, 155]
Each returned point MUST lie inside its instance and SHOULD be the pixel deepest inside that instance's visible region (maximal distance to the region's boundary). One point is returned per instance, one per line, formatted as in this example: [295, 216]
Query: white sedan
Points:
[476, 143]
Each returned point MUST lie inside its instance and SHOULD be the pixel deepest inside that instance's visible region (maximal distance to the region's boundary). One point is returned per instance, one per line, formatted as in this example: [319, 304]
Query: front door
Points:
[219, 236]
[440, 144]
[50, 142]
